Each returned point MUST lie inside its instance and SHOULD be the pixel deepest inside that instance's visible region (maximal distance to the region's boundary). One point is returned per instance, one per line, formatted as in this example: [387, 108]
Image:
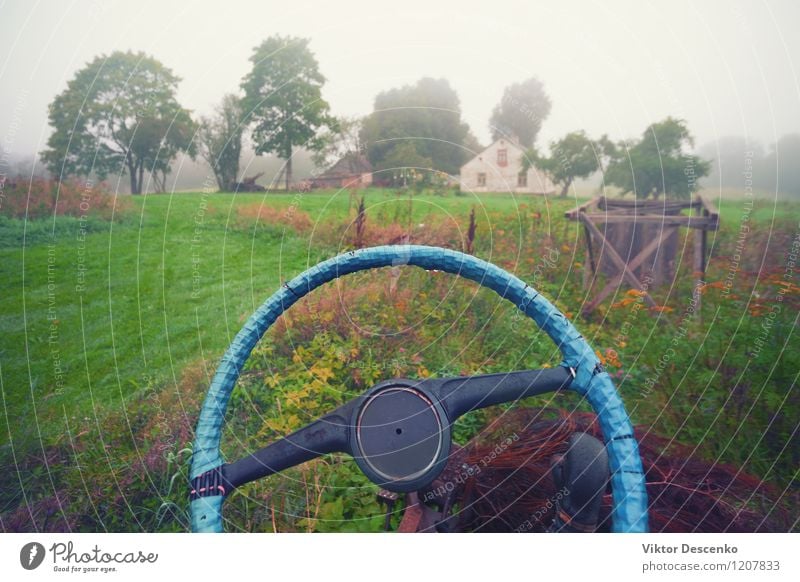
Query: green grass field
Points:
[89, 323]
[92, 326]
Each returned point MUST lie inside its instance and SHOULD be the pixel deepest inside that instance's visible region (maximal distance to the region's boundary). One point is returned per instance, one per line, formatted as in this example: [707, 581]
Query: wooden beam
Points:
[617, 260]
[708, 206]
[699, 222]
[645, 206]
[573, 214]
[633, 265]
[589, 269]
[699, 264]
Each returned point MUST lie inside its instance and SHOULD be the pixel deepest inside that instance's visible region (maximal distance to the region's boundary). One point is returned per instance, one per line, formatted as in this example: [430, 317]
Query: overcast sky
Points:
[609, 67]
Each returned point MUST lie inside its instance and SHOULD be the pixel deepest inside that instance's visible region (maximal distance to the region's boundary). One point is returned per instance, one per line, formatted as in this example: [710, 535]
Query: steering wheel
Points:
[398, 431]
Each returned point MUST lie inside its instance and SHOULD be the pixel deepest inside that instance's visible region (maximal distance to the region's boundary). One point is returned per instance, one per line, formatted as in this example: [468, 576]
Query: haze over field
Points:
[726, 68]
[604, 200]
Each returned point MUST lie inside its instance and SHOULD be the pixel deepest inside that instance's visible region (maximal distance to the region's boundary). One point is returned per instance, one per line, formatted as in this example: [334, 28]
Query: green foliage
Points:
[521, 111]
[220, 140]
[120, 111]
[573, 156]
[404, 164]
[416, 126]
[340, 140]
[659, 163]
[14, 231]
[283, 99]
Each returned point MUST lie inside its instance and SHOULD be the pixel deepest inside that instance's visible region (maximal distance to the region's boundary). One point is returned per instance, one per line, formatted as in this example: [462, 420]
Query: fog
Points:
[728, 68]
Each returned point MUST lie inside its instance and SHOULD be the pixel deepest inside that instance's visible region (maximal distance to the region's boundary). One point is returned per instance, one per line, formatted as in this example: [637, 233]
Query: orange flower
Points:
[623, 303]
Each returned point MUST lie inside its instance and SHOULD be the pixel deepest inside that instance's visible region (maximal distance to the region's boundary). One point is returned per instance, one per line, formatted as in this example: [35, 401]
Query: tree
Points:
[415, 123]
[283, 99]
[520, 113]
[404, 164]
[220, 140]
[339, 141]
[573, 156]
[659, 163]
[119, 113]
[156, 142]
[607, 151]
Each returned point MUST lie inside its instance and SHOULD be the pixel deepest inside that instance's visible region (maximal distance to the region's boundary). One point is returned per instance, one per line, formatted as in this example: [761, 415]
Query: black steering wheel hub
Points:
[402, 436]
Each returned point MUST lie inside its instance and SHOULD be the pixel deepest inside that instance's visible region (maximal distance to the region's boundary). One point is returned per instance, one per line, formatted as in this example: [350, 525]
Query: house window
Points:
[522, 179]
[481, 179]
[502, 157]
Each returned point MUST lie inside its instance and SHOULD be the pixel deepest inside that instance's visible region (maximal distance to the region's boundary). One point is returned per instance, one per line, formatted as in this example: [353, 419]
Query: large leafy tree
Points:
[220, 138]
[573, 156]
[659, 163]
[119, 113]
[521, 111]
[283, 99]
[337, 142]
[415, 124]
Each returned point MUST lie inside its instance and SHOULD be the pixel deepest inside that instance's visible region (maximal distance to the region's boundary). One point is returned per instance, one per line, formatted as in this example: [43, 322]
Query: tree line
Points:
[120, 115]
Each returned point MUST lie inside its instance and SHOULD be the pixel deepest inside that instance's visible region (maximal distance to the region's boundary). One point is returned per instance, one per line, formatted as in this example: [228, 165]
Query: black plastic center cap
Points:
[401, 438]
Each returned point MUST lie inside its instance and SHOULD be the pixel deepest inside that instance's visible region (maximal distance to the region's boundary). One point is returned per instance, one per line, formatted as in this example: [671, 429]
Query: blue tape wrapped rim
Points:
[629, 513]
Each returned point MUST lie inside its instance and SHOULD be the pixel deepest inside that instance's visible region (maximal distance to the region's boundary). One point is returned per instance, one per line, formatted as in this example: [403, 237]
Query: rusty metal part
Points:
[412, 515]
[428, 510]
[388, 498]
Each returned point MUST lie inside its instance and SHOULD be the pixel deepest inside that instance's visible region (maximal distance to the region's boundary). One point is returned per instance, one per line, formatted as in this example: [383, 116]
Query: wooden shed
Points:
[636, 241]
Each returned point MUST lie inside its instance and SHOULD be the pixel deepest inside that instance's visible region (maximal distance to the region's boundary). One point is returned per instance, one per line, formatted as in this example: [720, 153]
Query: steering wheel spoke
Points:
[327, 434]
[465, 394]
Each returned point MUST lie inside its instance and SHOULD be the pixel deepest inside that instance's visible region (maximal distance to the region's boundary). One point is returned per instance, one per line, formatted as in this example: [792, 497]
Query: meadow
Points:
[113, 324]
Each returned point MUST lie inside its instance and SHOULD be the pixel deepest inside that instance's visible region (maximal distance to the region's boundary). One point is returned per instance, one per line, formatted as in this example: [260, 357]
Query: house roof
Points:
[350, 164]
[509, 140]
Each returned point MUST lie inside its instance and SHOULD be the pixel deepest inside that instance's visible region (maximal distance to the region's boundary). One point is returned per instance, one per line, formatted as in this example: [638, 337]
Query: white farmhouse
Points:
[498, 168]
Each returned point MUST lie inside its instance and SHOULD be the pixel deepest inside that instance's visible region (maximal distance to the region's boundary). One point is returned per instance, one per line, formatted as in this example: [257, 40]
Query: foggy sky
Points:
[728, 68]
